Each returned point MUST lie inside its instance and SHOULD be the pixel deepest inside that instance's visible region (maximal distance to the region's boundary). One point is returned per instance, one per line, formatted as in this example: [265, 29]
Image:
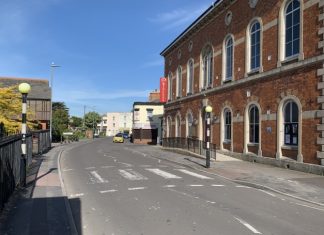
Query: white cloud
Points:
[179, 17]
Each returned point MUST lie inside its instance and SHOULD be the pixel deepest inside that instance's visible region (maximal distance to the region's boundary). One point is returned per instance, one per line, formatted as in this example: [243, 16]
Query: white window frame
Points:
[248, 55]
[170, 86]
[225, 56]
[179, 82]
[190, 76]
[281, 131]
[177, 126]
[282, 34]
[207, 64]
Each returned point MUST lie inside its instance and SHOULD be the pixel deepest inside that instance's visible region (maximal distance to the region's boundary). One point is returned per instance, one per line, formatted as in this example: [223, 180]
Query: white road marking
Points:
[98, 178]
[109, 191]
[194, 174]
[248, 225]
[271, 194]
[138, 188]
[107, 167]
[164, 174]
[131, 175]
[242, 186]
[217, 185]
[211, 202]
[315, 208]
[77, 195]
[196, 185]
[65, 170]
[89, 168]
[169, 186]
[126, 164]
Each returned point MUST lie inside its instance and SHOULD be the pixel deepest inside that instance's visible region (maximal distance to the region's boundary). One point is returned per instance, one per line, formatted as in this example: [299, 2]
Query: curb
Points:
[73, 229]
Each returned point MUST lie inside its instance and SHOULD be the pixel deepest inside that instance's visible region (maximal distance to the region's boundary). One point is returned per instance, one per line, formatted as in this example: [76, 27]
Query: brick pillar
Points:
[320, 86]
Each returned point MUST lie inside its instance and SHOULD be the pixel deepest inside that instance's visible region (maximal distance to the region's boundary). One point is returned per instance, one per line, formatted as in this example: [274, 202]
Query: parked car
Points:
[118, 138]
[125, 135]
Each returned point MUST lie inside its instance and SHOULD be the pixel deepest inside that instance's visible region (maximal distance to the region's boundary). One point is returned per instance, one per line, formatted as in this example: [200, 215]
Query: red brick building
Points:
[260, 65]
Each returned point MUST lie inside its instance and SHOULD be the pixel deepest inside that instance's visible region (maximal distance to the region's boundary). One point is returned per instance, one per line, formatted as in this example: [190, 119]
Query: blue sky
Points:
[108, 50]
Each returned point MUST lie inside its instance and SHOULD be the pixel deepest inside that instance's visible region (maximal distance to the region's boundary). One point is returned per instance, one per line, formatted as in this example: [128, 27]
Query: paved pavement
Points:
[43, 208]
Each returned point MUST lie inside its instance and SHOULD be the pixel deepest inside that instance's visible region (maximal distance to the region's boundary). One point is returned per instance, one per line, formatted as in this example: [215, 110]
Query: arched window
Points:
[189, 125]
[227, 125]
[207, 67]
[178, 126]
[170, 86]
[292, 28]
[190, 76]
[254, 122]
[229, 59]
[179, 82]
[169, 122]
[291, 123]
[255, 42]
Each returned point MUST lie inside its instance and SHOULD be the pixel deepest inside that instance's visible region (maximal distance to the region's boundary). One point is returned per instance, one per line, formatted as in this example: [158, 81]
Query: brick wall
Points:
[277, 81]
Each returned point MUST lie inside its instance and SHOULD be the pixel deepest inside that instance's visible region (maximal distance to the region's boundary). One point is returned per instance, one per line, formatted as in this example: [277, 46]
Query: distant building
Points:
[154, 96]
[38, 99]
[115, 122]
[147, 122]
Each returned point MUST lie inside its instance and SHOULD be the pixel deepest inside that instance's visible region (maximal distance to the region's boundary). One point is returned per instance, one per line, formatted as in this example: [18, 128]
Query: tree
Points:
[76, 122]
[91, 120]
[10, 110]
[60, 120]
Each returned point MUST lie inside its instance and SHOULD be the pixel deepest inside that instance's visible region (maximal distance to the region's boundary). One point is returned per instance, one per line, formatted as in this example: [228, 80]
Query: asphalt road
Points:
[117, 189]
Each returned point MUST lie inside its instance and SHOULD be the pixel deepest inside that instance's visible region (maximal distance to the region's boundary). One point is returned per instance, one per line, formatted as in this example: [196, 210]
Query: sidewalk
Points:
[41, 207]
[304, 186]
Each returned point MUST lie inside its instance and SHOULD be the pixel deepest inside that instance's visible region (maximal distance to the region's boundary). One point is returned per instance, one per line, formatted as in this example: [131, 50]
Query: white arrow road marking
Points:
[196, 185]
[194, 174]
[138, 188]
[248, 225]
[217, 185]
[131, 175]
[109, 191]
[98, 178]
[107, 167]
[242, 186]
[169, 186]
[164, 174]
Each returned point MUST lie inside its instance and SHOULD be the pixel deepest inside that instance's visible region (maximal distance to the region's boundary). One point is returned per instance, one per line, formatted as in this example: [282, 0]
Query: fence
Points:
[191, 144]
[11, 170]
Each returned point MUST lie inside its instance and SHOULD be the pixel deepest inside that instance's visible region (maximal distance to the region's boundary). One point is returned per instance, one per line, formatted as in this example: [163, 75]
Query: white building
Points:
[115, 122]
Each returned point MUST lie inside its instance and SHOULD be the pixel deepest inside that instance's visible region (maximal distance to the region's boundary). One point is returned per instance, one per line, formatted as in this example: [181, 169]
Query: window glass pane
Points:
[294, 112]
[295, 47]
[287, 112]
[289, 20]
[288, 49]
[256, 115]
[256, 139]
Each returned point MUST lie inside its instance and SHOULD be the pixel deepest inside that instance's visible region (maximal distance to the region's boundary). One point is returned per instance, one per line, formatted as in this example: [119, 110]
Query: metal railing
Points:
[190, 144]
[11, 169]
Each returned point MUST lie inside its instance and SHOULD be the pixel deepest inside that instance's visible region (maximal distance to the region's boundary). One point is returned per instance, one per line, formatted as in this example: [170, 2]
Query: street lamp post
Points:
[208, 111]
[53, 66]
[24, 89]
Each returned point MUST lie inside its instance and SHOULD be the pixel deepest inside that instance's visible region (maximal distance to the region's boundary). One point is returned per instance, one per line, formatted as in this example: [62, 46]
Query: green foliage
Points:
[76, 122]
[92, 119]
[60, 120]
